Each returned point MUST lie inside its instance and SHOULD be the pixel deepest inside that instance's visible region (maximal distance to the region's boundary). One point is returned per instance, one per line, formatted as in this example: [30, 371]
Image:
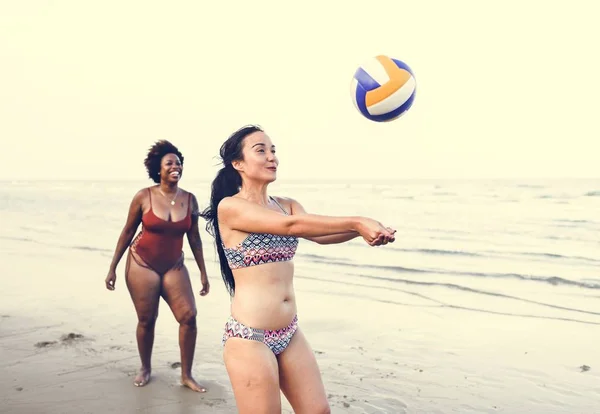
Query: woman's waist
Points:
[159, 242]
[253, 330]
[269, 309]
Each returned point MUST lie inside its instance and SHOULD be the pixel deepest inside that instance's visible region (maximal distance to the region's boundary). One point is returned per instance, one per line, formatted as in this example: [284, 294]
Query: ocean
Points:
[488, 300]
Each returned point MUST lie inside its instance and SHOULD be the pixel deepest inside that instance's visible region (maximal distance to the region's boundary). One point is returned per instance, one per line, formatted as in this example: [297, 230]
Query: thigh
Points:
[144, 288]
[300, 377]
[178, 293]
[252, 370]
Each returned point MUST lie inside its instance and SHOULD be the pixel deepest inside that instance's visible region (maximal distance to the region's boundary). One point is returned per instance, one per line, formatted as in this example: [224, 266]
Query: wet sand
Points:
[67, 345]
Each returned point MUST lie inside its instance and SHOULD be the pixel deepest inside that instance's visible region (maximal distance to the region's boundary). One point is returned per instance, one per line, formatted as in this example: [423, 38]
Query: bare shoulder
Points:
[141, 195]
[189, 194]
[236, 213]
[140, 200]
[291, 205]
[233, 209]
[229, 207]
[231, 204]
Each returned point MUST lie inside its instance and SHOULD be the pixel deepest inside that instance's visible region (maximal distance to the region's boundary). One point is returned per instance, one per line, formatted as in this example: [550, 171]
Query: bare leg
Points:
[144, 289]
[252, 370]
[300, 378]
[177, 291]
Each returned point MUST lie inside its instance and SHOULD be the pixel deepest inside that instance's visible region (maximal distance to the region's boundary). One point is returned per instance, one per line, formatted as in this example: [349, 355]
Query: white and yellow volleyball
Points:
[383, 88]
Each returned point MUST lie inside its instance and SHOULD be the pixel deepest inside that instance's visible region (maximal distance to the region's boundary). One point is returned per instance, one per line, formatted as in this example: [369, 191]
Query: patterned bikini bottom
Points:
[277, 340]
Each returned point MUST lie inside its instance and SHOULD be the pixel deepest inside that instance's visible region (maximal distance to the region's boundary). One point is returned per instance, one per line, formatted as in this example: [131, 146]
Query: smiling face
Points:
[171, 168]
[259, 162]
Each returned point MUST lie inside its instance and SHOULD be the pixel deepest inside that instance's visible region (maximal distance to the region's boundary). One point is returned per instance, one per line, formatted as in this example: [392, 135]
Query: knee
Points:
[188, 318]
[322, 407]
[316, 407]
[147, 321]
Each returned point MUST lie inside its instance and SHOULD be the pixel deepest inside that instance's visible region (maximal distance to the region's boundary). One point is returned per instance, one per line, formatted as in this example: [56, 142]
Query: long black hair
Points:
[227, 183]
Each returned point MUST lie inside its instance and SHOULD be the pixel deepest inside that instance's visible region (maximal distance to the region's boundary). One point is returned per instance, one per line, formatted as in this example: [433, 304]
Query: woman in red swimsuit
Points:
[265, 350]
[155, 265]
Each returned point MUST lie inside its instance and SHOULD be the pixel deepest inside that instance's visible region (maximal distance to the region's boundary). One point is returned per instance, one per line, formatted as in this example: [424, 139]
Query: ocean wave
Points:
[87, 248]
[573, 221]
[556, 256]
[37, 230]
[494, 253]
[574, 239]
[458, 287]
[576, 224]
[61, 246]
[344, 262]
[22, 239]
[442, 252]
[542, 255]
[552, 280]
[440, 303]
[559, 197]
[530, 186]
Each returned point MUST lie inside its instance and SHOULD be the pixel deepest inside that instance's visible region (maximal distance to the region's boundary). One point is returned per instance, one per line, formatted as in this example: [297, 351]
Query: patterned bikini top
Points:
[261, 248]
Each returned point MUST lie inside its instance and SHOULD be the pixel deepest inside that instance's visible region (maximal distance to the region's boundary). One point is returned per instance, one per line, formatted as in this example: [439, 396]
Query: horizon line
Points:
[354, 179]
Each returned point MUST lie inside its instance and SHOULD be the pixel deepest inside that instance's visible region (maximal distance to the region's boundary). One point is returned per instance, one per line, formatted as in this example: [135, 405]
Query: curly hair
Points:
[155, 155]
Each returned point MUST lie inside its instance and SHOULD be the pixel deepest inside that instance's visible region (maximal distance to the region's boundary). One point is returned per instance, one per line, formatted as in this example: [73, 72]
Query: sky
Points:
[504, 89]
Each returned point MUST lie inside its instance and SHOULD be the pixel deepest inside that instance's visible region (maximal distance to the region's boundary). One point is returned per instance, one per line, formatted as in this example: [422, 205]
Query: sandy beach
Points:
[409, 343]
[65, 353]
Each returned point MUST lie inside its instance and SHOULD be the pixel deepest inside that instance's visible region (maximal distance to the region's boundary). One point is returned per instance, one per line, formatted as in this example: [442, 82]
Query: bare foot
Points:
[192, 384]
[142, 378]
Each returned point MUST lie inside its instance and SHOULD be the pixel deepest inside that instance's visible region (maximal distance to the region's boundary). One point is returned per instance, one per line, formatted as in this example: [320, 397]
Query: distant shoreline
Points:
[319, 179]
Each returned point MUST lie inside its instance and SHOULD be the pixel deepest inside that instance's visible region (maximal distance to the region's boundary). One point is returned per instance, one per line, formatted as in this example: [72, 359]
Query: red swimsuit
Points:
[159, 244]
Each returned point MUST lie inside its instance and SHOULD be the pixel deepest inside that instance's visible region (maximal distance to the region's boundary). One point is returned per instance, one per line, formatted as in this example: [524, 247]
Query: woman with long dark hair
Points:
[256, 234]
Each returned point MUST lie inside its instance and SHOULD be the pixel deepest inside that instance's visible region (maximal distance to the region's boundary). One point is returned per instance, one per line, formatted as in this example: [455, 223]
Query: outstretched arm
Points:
[343, 237]
[240, 214]
[195, 241]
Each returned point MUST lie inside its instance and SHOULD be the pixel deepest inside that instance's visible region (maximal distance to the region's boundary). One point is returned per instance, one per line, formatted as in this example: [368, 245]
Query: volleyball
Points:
[383, 88]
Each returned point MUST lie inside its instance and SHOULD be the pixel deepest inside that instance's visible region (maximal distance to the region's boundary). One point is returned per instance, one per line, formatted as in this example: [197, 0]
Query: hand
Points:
[374, 233]
[205, 286]
[110, 280]
[381, 240]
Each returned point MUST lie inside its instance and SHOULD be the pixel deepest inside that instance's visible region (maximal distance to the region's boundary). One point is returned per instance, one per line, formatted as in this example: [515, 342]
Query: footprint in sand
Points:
[71, 337]
[66, 339]
[176, 365]
[343, 399]
[44, 344]
[216, 401]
